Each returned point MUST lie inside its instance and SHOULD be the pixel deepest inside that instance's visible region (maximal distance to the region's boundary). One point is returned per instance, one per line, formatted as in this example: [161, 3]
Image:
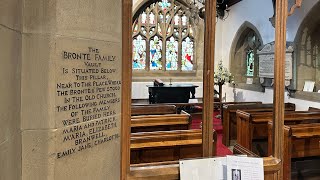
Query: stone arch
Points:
[237, 56]
[307, 49]
[140, 4]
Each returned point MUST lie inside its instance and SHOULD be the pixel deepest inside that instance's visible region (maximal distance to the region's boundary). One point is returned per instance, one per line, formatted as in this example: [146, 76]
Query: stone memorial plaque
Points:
[266, 62]
[87, 97]
[266, 66]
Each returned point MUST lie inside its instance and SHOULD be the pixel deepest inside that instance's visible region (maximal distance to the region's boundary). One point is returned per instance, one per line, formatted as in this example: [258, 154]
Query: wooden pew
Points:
[300, 141]
[190, 107]
[166, 122]
[153, 109]
[170, 170]
[159, 146]
[230, 121]
[254, 126]
[313, 109]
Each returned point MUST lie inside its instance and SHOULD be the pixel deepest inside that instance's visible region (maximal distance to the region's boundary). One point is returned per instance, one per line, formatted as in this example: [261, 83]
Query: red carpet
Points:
[222, 150]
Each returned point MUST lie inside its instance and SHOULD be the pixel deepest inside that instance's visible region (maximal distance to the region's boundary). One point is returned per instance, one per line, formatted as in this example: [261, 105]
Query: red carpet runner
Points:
[222, 150]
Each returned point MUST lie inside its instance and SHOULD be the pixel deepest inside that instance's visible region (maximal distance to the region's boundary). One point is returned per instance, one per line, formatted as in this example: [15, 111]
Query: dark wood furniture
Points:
[167, 145]
[300, 141]
[153, 109]
[176, 93]
[166, 122]
[230, 121]
[254, 126]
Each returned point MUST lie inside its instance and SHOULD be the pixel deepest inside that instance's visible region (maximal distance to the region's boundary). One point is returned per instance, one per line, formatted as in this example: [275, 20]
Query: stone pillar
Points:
[10, 77]
[71, 89]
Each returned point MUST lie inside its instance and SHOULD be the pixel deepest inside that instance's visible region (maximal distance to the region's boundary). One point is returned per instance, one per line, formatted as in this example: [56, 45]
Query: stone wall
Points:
[60, 89]
[10, 77]
[71, 89]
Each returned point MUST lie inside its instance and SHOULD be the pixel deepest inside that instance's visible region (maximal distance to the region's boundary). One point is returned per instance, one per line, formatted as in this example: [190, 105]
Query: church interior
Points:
[129, 89]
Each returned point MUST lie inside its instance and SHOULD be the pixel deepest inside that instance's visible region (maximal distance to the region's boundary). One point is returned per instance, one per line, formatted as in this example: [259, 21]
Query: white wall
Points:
[258, 12]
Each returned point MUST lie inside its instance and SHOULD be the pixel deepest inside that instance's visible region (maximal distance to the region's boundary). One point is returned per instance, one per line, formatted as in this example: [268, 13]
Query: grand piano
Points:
[173, 93]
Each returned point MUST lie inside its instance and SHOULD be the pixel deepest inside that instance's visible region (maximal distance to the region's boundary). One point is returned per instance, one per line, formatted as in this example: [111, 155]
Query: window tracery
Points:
[163, 38]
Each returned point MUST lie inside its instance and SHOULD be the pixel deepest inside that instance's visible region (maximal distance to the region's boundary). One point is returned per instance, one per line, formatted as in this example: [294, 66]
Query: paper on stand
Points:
[203, 169]
[244, 168]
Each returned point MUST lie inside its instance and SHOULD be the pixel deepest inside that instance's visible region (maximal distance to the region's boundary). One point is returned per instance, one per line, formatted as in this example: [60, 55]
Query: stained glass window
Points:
[187, 54]
[164, 4]
[250, 63]
[172, 54]
[155, 53]
[139, 53]
[163, 38]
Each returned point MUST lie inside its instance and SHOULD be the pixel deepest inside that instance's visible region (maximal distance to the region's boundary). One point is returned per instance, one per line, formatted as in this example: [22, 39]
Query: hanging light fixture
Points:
[222, 8]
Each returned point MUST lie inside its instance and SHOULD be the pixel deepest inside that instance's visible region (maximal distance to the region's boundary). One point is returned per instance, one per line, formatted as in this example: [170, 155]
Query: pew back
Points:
[230, 120]
[170, 170]
[152, 109]
[167, 122]
[167, 145]
[300, 141]
[254, 126]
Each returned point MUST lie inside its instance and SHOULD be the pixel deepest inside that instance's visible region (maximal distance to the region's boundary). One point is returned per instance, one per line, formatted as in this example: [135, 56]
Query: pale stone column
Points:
[10, 77]
[71, 89]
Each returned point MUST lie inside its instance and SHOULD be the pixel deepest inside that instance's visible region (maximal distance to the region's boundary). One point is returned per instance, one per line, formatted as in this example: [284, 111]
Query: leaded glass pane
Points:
[250, 63]
[184, 32]
[139, 53]
[165, 5]
[187, 54]
[176, 32]
[177, 20]
[169, 30]
[172, 54]
[156, 23]
[144, 18]
[155, 53]
[143, 30]
[184, 20]
[167, 18]
[151, 31]
[159, 29]
[135, 29]
[161, 17]
[151, 18]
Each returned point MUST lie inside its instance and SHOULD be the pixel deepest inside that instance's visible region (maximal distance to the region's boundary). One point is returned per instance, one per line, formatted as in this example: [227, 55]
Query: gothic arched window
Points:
[244, 64]
[163, 38]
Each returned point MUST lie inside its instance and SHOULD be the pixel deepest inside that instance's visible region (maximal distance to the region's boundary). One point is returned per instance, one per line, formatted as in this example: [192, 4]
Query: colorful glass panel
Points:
[250, 63]
[172, 54]
[187, 54]
[155, 53]
[156, 23]
[165, 5]
[139, 53]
